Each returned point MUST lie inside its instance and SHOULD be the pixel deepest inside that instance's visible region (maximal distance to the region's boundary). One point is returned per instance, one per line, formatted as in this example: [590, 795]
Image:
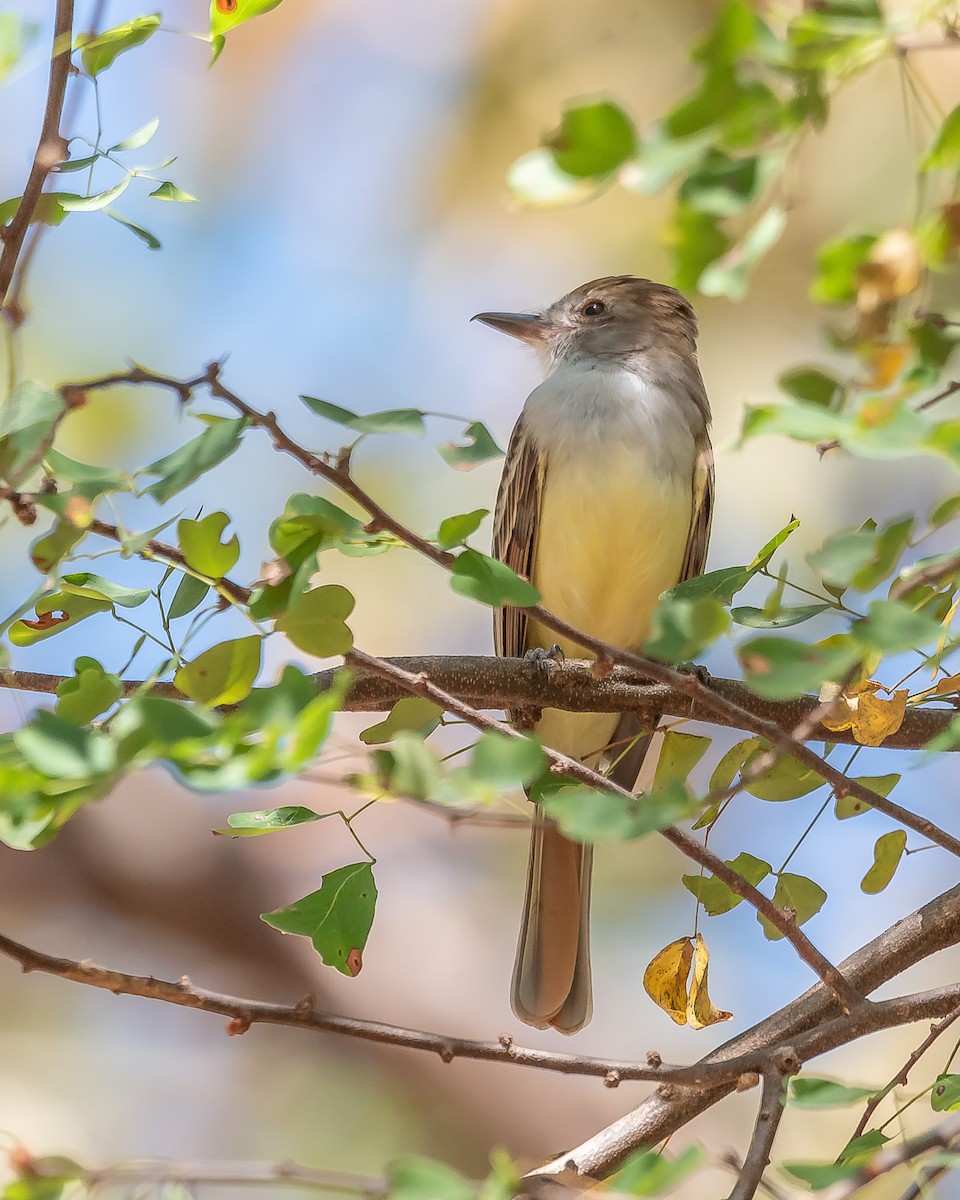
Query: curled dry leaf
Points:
[666, 983]
[892, 270]
[948, 686]
[869, 717]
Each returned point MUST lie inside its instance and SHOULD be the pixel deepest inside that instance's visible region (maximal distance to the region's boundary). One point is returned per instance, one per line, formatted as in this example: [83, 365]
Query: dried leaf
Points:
[700, 1009]
[870, 718]
[665, 979]
[885, 362]
[892, 270]
[665, 982]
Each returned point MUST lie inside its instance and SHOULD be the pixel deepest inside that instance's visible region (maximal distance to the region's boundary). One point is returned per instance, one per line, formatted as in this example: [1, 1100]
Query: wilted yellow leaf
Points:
[665, 982]
[700, 1009]
[665, 979]
[885, 364]
[870, 718]
[893, 270]
[943, 687]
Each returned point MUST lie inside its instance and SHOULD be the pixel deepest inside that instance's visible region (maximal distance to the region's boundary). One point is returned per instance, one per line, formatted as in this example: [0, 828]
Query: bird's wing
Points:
[698, 537]
[515, 522]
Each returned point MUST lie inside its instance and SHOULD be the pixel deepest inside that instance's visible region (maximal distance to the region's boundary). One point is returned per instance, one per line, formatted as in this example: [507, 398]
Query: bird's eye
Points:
[593, 308]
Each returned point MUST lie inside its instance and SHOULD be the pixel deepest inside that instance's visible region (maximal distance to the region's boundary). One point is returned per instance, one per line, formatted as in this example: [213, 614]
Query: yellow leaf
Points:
[665, 982]
[885, 364]
[871, 718]
[700, 1009]
[943, 687]
[665, 979]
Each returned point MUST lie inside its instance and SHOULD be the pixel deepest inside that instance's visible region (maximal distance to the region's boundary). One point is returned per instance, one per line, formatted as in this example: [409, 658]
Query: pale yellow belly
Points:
[611, 538]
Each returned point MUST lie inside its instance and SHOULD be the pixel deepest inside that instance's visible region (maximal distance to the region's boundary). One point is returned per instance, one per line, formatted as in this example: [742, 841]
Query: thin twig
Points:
[942, 1137]
[158, 1172]
[757, 1158]
[51, 150]
[901, 1076]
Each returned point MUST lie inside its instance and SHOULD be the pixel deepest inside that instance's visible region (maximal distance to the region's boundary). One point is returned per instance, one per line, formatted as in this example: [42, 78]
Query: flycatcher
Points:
[605, 502]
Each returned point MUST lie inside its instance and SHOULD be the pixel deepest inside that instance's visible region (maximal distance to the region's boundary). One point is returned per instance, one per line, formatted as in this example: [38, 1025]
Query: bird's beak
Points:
[528, 327]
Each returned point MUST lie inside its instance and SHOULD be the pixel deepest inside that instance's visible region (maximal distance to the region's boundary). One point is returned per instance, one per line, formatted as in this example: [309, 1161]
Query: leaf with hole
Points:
[337, 917]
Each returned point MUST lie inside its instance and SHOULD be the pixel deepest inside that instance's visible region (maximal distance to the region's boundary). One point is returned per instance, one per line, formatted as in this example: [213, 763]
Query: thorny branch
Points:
[713, 706]
[51, 150]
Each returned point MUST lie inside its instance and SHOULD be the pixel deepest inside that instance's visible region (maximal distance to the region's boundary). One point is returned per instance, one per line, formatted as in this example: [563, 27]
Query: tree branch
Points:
[942, 1137]
[51, 150]
[933, 927]
[768, 1122]
[500, 683]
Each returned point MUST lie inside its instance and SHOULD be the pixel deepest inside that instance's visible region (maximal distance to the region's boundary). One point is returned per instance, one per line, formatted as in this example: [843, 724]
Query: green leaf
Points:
[852, 806]
[48, 210]
[587, 815]
[838, 264]
[535, 180]
[190, 593]
[651, 1173]
[723, 186]
[801, 422]
[137, 230]
[679, 754]
[90, 481]
[48, 550]
[16, 36]
[396, 420]
[696, 240]
[861, 1149]
[782, 669]
[312, 724]
[864, 557]
[945, 1095]
[268, 820]
[683, 629]
[96, 202]
[28, 421]
[87, 693]
[316, 622]
[821, 1175]
[412, 713]
[480, 577]
[414, 1177]
[507, 761]
[893, 626]
[454, 531]
[787, 779]
[225, 17]
[768, 549]
[945, 512]
[798, 893]
[944, 154]
[409, 768]
[99, 52]
[479, 447]
[181, 468]
[337, 918]
[138, 139]
[56, 611]
[733, 762]
[224, 674]
[810, 385]
[95, 587]
[170, 191]
[887, 853]
[809, 1092]
[62, 750]
[593, 139]
[714, 894]
[783, 618]
[723, 584]
[202, 547]
[727, 275]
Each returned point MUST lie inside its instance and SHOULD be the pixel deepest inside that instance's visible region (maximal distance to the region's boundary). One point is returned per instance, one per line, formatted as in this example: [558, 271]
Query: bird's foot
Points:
[702, 674]
[542, 659]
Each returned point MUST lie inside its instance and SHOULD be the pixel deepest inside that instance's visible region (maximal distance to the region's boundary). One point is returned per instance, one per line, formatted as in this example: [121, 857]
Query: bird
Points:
[605, 502]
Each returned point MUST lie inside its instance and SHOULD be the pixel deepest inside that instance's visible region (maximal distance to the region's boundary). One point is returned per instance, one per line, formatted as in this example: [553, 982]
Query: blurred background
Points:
[350, 160]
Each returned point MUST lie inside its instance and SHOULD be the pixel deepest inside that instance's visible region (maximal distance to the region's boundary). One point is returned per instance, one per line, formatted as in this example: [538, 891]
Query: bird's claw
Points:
[543, 659]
